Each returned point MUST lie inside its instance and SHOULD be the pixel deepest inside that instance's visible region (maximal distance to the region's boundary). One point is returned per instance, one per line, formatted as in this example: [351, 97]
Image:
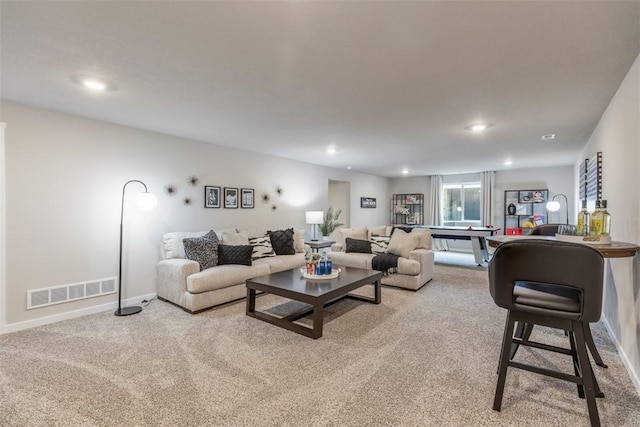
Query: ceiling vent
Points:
[549, 137]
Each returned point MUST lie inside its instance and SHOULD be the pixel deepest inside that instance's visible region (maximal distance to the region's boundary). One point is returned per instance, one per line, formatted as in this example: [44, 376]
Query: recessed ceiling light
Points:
[508, 162]
[478, 127]
[94, 84]
[548, 137]
[405, 171]
[332, 150]
[349, 167]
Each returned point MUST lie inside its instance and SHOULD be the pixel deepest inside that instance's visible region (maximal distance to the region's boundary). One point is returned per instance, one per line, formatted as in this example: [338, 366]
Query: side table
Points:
[316, 245]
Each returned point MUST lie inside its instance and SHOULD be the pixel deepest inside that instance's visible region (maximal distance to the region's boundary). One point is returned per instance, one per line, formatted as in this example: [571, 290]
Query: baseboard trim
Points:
[635, 379]
[28, 324]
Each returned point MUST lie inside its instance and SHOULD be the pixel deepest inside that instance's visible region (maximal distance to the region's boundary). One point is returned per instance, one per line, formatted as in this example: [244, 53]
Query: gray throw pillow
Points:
[203, 250]
[234, 254]
[357, 245]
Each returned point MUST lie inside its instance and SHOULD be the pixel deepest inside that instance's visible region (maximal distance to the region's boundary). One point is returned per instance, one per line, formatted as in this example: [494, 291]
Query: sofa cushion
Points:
[402, 243]
[223, 276]
[379, 244]
[282, 241]
[353, 259]
[357, 245]
[282, 262]
[203, 249]
[256, 232]
[382, 230]
[234, 254]
[425, 237]
[359, 233]
[233, 237]
[261, 247]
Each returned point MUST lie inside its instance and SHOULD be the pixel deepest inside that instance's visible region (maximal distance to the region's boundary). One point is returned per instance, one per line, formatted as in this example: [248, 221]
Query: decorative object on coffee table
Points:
[146, 201]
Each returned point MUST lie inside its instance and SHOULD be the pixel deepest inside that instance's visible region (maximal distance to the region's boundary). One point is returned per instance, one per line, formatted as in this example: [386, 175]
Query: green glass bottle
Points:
[596, 220]
[606, 221]
[584, 220]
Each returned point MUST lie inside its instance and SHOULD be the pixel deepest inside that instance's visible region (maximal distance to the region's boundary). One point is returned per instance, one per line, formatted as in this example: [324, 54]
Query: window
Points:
[461, 203]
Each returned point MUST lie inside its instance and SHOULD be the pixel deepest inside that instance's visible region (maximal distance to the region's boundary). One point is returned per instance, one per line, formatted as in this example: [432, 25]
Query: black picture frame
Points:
[247, 198]
[368, 202]
[211, 196]
[230, 197]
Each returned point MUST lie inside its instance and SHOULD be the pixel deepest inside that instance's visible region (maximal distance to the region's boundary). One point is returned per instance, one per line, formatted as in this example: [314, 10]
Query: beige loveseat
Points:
[181, 281]
[414, 269]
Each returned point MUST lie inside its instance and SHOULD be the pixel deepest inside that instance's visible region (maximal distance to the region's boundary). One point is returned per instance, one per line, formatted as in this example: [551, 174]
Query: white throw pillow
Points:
[359, 233]
[235, 239]
[298, 240]
[173, 245]
[402, 243]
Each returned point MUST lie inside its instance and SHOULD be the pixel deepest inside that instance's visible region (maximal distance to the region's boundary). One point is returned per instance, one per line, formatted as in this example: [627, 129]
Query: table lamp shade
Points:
[314, 217]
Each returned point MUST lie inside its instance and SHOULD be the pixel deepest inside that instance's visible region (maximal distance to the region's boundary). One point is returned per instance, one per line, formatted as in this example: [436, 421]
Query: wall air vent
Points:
[43, 297]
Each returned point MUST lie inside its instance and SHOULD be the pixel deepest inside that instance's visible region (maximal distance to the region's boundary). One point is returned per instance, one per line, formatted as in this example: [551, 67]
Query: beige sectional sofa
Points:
[180, 280]
[415, 267]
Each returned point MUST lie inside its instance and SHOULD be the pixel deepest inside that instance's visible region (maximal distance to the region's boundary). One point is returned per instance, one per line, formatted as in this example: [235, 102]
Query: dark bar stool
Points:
[554, 284]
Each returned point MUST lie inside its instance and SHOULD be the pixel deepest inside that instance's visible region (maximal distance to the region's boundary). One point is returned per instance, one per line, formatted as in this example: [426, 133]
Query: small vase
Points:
[325, 238]
[511, 209]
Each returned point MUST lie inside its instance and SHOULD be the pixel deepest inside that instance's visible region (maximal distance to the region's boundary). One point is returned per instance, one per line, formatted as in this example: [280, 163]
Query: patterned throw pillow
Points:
[357, 245]
[282, 241]
[379, 244]
[234, 254]
[203, 249]
[261, 247]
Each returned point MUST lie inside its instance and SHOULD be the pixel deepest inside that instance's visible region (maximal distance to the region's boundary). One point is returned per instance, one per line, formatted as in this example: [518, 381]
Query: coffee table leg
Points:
[251, 300]
[318, 319]
[377, 288]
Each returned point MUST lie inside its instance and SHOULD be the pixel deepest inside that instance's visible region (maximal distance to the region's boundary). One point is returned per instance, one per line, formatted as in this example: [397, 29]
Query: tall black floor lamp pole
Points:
[127, 311]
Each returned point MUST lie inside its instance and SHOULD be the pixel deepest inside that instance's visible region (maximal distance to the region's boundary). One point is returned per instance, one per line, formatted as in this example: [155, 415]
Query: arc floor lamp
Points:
[146, 201]
[554, 205]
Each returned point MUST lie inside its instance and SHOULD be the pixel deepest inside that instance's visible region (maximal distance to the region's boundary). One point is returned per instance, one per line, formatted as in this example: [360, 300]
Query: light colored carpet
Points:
[425, 358]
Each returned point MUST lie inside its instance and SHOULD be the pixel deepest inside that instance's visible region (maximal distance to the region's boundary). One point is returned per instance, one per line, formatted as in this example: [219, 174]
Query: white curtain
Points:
[486, 201]
[435, 211]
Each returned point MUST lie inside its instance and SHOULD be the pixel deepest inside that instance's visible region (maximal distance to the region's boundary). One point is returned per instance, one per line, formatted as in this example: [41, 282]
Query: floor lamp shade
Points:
[146, 201]
[554, 205]
[314, 218]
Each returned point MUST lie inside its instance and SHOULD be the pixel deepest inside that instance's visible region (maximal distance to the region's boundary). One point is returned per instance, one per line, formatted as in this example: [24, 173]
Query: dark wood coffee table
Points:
[318, 293]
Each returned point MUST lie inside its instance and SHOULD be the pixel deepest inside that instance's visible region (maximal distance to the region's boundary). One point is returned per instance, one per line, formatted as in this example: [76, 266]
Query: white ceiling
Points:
[390, 84]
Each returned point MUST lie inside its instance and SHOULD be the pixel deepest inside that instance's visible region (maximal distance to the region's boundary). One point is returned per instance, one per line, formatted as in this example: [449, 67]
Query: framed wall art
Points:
[367, 202]
[211, 196]
[246, 195]
[230, 198]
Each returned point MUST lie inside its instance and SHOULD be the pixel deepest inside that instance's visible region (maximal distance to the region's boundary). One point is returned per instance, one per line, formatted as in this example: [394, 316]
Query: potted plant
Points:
[330, 222]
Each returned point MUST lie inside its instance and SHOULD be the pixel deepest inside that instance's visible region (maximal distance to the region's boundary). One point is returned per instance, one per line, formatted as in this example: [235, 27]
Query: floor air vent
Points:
[43, 297]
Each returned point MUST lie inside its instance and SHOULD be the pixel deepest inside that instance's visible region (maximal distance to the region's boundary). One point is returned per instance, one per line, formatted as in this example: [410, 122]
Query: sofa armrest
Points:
[420, 255]
[336, 247]
[172, 277]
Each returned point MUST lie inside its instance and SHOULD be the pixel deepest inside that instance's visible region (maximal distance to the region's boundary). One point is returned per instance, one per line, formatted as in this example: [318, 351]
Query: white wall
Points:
[558, 180]
[64, 184]
[3, 268]
[618, 137]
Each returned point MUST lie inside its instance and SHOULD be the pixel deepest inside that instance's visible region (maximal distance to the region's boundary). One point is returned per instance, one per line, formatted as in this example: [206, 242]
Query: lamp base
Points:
[128, 311]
